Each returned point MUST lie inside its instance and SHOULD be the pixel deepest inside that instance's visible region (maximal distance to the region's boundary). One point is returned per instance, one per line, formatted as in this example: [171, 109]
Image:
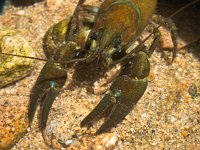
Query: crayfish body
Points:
[107, 34]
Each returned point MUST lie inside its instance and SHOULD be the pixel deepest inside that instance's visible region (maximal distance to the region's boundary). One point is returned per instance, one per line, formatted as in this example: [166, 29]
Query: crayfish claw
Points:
[123, 96]
[118, 113]
[127, 92]
[51, 78]
[36, 94]
[46, 106]
[124, 93]
[107, 101]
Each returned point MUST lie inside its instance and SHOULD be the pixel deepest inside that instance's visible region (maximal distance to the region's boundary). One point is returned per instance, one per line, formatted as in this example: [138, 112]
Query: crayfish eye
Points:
[117, 41]
[94, 35]
[118, 53]
[79, 54]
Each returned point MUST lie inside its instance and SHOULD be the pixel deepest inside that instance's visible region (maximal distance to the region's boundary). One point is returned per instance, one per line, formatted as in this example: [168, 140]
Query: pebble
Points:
[13, 123]
[100, 142]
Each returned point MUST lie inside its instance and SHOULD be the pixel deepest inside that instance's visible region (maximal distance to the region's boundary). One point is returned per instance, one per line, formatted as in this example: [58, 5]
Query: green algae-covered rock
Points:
[13, 68]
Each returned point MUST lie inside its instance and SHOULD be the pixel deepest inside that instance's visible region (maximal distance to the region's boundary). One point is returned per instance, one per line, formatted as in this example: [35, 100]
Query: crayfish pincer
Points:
[107, 34]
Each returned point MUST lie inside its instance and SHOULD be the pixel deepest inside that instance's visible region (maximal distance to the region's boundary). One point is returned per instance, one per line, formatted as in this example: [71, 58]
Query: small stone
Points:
[21, 12]
[111, 142]
[184, 133]
[144, 115]
[103, 141]
[68, 142]
[173, 119]
[194, 89]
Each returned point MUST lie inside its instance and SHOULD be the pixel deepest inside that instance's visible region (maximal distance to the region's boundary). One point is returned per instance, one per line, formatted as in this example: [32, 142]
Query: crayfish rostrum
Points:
[105, 34]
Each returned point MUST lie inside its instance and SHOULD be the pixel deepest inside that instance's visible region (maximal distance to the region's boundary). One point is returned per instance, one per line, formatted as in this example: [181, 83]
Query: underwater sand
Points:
[166, 117]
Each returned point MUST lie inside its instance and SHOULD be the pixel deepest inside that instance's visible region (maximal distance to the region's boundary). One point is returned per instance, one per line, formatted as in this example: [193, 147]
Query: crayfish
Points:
[107, 34]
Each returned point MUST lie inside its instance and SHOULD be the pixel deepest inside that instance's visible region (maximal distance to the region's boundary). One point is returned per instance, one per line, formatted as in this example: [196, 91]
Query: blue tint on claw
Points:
[53, 84]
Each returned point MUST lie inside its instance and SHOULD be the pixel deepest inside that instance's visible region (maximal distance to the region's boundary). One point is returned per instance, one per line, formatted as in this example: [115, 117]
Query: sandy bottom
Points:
[166, 117]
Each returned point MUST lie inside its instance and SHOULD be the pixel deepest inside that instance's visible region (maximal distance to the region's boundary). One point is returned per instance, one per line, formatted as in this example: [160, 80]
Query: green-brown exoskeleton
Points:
[106, 33]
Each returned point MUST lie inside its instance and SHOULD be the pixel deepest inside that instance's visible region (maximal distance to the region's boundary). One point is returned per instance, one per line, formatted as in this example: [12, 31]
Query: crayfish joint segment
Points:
[125, 92]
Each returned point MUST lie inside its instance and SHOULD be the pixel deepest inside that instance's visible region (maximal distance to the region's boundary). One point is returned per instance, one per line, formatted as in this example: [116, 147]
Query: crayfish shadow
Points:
[194, 48]
[13, 82]
[23, 3]
[86, 74]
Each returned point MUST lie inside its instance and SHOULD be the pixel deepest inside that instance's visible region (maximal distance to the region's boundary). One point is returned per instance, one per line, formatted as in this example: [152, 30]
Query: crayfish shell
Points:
[13, 68]
[55, 37]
